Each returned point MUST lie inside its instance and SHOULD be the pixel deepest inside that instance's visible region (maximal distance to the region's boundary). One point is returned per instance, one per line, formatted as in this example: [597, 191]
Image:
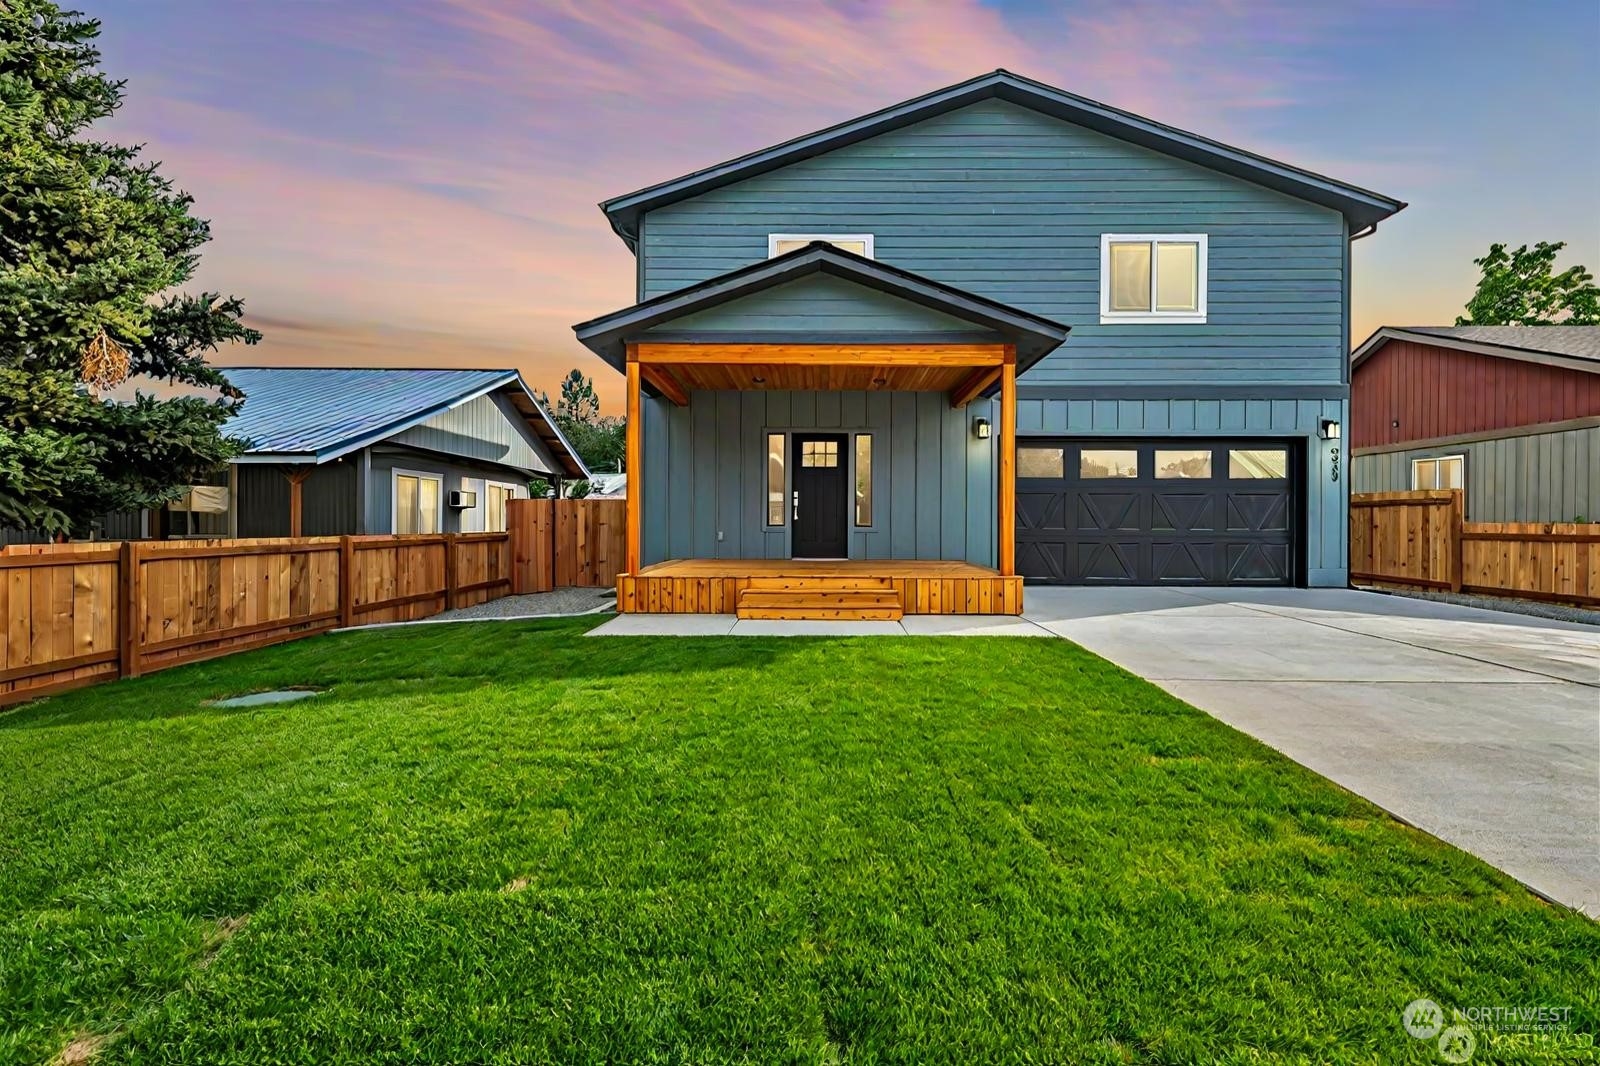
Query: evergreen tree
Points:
[93, 245]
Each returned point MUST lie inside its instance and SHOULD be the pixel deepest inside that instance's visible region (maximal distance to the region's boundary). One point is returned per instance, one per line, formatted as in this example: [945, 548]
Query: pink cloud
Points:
[475, 237]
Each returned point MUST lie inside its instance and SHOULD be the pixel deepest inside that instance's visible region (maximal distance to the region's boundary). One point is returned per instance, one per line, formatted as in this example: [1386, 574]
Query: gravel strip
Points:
[561, 601]
[1561, 612]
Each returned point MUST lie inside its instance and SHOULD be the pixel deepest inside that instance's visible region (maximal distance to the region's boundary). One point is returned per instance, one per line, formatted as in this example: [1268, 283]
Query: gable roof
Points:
[317, 414]
[1572, 347]
[1362, 207]
[1033, 335]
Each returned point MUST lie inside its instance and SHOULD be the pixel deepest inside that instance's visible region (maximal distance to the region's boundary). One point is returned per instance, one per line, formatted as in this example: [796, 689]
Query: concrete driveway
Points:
[1479, 727]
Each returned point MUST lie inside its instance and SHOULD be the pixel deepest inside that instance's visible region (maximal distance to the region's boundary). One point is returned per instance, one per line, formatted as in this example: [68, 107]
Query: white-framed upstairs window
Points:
[1153, 278]
[418, 502]
[784, 243]
[1439, 472]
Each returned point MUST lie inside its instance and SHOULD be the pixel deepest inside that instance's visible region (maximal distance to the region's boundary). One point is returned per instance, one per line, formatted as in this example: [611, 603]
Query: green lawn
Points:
[507, 842]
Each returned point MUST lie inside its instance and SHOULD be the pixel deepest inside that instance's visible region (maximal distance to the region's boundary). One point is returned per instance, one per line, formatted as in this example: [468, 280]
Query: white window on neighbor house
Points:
[784, 243]
[1152, 277]
[418, 502]
[495, 494]
[1439, 472]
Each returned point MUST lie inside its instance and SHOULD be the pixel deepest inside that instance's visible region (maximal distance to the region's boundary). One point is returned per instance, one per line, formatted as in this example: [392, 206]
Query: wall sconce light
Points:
[1328, 429]
[980, 428]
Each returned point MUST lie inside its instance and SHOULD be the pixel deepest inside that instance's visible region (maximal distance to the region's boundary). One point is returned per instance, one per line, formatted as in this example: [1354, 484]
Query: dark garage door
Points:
[1156, 512]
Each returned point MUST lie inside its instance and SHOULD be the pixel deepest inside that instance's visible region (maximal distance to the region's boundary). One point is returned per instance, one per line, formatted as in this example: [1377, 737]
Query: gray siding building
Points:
[379, 451]
[1508, 414]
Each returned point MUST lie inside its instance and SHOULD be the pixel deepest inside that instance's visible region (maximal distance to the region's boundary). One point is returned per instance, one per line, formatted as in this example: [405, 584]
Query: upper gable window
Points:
[1152, 277]
[783, 243]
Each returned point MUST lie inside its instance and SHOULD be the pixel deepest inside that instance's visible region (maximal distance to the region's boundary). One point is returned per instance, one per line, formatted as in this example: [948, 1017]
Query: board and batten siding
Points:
[486, 429]
[329, 499]
[1010, 204]
[1534, 477]
[705, 474]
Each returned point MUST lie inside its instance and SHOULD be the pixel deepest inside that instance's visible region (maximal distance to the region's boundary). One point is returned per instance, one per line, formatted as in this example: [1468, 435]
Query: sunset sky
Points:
[413, 182]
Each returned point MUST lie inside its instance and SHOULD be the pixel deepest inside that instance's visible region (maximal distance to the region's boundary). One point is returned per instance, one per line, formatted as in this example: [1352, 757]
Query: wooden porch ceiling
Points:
[962, 370]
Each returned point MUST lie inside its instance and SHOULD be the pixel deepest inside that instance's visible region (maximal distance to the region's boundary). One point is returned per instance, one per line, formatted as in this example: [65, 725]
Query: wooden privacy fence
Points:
[80, 613]
[1419, 539]
[567, 543]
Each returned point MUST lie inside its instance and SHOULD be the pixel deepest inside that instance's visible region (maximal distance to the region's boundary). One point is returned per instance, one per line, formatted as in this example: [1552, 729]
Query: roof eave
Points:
[606, 334]
[1363, 207]
[1383, 335]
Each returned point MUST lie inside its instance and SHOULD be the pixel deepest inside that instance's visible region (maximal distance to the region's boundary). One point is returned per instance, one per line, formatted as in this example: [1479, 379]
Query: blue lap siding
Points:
[1011, 204]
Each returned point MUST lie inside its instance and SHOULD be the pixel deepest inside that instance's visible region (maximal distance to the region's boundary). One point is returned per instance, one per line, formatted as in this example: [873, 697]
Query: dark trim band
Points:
[1183, 392]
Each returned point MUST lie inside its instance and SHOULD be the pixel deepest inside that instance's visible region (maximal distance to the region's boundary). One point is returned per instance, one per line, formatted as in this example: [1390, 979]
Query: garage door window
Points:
[1250, 463]
[1105, 462]
[1041, 462]
[1187, 463]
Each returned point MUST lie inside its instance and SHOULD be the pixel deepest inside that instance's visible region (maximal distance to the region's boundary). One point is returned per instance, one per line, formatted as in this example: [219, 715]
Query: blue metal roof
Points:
[320, 413]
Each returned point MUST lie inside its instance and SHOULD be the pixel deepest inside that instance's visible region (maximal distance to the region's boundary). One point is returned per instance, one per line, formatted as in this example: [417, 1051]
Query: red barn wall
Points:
[1440, 392]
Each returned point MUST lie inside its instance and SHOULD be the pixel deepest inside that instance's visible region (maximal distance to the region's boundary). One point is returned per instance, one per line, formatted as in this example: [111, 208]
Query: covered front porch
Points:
[856, 464]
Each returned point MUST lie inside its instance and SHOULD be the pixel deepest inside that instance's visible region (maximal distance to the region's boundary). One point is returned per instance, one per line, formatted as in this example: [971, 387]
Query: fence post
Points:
[1455, 540]
[347, 582]
[128, 610]
[450, 581]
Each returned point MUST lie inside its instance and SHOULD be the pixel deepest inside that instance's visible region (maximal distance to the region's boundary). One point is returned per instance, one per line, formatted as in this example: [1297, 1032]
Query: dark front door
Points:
[1176, 511]
[820, 496]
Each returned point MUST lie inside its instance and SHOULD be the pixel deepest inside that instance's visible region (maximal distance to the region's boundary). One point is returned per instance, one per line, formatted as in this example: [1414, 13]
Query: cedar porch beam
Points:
[634, 459]
[973, 384]
[1007, 509]
[662, 380]
[924, 355]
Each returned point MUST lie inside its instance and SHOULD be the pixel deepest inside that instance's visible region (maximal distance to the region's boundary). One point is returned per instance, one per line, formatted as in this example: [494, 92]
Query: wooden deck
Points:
[826, 589]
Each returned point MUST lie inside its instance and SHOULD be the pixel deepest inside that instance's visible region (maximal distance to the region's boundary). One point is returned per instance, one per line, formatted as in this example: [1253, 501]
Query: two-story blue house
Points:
[852, 392]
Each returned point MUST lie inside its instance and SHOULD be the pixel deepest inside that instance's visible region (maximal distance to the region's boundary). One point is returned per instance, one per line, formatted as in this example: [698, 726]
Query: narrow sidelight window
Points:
[775, 507]
[863, 479]
[1155, 277]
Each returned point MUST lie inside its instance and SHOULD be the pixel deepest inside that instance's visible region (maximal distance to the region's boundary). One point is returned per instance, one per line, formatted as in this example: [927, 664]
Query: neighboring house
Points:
[840, 340]
[1508, 414]
[337, 451]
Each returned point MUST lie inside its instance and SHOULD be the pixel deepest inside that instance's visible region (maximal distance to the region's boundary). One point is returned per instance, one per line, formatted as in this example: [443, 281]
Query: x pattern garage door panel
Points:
[1156, 512]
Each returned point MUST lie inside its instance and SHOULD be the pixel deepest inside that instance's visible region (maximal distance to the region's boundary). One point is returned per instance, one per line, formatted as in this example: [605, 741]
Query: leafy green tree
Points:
[94, 243]
[600, 440]
[1521, 288]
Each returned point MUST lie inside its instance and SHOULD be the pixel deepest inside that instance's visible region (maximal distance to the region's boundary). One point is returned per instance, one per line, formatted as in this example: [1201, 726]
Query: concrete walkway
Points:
[1479, 727]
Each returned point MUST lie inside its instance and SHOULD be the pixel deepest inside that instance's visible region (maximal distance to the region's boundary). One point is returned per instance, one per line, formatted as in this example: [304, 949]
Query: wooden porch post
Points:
[635, 463]
[297, 477]
[1007, 508]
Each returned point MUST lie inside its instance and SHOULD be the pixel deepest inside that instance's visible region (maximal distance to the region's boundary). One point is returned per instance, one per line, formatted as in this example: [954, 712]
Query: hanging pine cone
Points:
[105, 363]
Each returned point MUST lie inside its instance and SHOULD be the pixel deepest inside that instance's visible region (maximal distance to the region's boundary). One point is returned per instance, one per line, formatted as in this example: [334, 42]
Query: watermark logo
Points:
[1423, 1019]
[1457, 1033]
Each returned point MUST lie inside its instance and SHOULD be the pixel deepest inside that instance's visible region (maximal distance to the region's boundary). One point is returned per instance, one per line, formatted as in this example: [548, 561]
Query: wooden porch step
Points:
[821, 582]
[853, 604]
